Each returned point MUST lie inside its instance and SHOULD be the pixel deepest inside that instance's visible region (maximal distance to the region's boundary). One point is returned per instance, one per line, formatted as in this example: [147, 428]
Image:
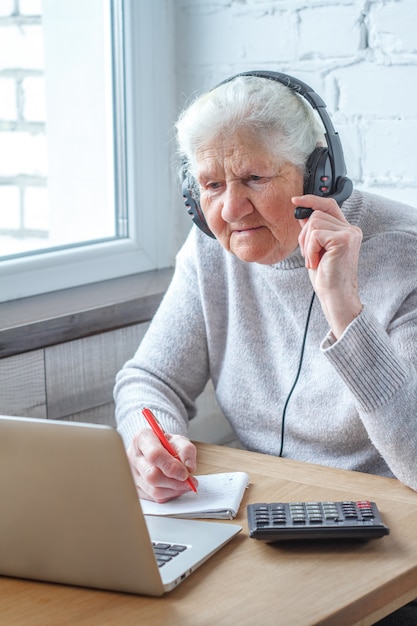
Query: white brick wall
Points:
[33, 99]
[360, 56]
[6, 8]
[8, 102]
[9, 204]
[21, 46]
[23, 153]
[23, 158]
[30, 7]
[67, 92]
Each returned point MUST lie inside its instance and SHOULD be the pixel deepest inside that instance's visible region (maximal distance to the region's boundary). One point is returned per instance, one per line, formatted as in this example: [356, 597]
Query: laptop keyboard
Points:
[165, 552]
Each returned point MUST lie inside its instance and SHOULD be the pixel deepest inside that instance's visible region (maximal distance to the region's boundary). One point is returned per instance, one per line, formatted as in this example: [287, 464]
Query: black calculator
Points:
[279, 521]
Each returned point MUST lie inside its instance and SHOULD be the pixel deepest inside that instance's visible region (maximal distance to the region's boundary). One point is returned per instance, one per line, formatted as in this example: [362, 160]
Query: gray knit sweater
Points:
[242, 324]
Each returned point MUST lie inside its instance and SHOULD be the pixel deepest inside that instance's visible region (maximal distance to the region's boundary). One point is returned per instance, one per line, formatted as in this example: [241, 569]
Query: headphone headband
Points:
[326, 166]
[334, 145]
[289, 81]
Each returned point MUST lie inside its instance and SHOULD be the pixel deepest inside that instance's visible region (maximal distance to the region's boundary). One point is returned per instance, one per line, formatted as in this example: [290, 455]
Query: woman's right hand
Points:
[157, 474]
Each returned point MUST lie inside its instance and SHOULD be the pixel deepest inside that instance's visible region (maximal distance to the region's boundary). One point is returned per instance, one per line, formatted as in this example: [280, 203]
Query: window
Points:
[85, 180]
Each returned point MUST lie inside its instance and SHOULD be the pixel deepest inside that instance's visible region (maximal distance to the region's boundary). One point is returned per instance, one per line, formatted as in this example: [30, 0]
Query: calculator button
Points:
[314, 513]
[330, 511]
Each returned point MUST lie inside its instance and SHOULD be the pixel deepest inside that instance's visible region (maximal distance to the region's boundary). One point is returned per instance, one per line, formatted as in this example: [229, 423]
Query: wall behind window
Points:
[23, 153]
[360, 56]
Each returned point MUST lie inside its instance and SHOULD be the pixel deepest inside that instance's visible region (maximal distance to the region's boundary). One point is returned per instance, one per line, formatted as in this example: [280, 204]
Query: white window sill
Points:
[39, 321]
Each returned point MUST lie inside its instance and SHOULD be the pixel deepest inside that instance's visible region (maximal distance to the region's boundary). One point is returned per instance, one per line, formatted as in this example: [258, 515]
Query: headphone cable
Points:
[303, 345]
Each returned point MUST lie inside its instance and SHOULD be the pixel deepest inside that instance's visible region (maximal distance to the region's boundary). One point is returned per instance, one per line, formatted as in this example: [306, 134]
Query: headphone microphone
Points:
[325, 167]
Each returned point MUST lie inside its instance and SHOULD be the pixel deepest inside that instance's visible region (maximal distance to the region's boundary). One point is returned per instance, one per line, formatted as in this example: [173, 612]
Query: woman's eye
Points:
[255, 178]
[213, 186]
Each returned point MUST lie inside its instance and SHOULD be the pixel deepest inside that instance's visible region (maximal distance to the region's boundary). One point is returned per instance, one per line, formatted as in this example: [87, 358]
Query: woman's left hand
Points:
[330, 246]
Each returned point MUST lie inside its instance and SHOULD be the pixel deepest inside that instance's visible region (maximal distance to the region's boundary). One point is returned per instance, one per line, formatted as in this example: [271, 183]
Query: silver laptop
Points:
[70, 513]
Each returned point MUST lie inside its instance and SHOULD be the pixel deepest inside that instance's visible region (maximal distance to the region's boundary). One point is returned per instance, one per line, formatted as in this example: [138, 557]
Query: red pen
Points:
[154, 424]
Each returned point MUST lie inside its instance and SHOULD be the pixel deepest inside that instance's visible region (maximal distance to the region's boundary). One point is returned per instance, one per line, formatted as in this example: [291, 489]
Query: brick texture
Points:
[360, 56]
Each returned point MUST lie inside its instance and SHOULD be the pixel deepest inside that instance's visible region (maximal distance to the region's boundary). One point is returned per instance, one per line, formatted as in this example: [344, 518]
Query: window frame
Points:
[144, 177]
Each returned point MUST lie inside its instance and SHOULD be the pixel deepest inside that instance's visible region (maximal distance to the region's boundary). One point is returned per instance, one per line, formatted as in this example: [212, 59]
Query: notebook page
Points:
[218, 496]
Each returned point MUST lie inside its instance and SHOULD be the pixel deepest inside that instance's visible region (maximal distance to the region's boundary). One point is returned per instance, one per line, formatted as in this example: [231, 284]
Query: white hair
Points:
[280, 118]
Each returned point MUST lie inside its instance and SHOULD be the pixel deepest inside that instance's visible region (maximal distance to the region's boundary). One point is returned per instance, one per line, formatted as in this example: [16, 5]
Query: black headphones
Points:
[325, 167]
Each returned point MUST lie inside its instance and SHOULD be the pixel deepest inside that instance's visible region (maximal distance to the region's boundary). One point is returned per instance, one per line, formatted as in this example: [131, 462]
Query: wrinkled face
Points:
[245, 195]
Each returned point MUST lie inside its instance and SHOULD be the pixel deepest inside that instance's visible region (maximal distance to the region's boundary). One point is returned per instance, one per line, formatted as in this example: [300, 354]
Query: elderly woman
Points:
[307, 327]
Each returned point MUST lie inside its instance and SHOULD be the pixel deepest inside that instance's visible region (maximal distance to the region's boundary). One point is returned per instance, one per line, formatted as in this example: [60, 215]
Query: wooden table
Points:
[249, 582]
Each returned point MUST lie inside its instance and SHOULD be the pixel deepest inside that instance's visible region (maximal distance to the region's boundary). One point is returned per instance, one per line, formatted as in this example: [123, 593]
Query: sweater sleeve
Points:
[159, 375]
[379, 368]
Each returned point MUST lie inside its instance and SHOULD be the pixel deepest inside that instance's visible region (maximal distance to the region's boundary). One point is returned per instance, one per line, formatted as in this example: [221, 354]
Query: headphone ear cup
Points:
[193, 206]
[318, 178]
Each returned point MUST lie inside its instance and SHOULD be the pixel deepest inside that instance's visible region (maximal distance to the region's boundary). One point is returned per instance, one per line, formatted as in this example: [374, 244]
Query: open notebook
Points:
[70, 513]
[218, 497]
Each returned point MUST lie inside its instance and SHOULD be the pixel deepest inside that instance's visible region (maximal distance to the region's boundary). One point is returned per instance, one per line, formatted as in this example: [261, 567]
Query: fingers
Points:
[317, 203]
[330, 246]
[325, 230]
[185, 450]
[158, 475]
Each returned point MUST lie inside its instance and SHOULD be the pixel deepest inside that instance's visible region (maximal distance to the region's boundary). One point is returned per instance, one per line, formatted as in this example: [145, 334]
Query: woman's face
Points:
[245, 196]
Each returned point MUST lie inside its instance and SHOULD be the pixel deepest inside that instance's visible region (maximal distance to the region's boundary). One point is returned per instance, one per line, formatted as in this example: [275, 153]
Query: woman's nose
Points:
[236, 203]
